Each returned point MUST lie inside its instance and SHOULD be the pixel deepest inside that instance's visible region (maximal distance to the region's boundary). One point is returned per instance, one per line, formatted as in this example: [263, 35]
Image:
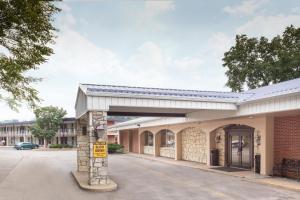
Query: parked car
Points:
[26, 145]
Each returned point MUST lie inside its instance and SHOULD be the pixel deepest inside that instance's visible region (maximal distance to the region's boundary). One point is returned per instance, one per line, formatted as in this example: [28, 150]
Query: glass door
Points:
[246, 151]
[235, 150]
[240, 150]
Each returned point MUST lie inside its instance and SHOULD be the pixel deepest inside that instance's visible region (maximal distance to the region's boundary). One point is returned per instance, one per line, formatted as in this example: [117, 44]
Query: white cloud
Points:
[150, 15]
[268, 26]
[296, 10]
[78, 60]
[157, 7]
[247, 7]
[188, 63]
[219, 43]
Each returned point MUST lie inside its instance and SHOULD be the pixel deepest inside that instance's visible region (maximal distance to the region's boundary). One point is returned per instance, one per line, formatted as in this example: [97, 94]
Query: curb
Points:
[81, 180]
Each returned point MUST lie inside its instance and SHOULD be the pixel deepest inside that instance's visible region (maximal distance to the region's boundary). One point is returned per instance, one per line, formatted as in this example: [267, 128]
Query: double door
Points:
[240, 151]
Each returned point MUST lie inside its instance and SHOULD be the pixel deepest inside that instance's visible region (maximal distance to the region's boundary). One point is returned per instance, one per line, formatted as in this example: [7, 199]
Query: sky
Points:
[154, 43]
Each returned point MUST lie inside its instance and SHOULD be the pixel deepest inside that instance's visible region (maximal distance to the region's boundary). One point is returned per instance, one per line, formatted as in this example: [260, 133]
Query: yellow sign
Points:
[100, 150]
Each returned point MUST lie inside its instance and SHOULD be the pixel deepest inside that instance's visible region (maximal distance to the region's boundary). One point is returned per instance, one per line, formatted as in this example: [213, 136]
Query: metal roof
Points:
[283, 88]
[278, 89]
[91, 89]
[20, 123]
[16, 123]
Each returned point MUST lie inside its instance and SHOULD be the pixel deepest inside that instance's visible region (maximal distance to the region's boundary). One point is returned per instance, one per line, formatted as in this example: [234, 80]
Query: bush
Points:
[113, 148]
[60, 146]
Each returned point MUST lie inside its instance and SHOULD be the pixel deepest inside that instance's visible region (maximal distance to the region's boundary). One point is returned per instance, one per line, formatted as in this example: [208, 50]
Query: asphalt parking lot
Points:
[45, 175]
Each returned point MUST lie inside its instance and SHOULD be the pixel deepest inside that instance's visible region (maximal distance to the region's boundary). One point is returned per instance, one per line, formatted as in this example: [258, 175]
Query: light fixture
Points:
[258, 138]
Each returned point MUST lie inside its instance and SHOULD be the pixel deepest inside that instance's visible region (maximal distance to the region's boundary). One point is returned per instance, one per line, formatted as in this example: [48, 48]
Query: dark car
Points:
[25, 145]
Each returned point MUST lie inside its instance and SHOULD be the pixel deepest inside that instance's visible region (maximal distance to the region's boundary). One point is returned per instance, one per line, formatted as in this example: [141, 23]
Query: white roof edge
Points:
[160, 97]
[134, 121]
[150, 123]
[268, 98]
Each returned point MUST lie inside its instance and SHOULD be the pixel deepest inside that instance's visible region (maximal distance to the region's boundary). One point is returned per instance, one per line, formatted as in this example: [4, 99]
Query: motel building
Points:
[231, 128]
[14, 132]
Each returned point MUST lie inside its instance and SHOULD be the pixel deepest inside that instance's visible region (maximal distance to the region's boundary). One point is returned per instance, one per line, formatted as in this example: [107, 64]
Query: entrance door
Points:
[240, 148]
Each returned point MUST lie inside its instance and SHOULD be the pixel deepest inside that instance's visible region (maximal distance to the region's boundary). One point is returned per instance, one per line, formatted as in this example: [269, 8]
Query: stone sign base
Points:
[82, 180]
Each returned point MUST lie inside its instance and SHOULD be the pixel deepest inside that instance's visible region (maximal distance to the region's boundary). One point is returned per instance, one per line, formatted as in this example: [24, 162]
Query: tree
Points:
[48, 120]
[256, 62]
[26, 31]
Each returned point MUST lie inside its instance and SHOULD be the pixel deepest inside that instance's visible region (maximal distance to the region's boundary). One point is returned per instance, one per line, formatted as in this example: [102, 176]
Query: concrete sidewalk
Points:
[246, 175]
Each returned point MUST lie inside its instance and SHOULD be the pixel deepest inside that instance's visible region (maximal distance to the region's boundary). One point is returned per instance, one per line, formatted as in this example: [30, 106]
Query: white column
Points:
[267, 142]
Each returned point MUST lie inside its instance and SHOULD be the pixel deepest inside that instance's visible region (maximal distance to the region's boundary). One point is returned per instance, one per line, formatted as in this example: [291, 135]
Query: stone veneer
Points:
[83, 152]
[149, 150]
[167, 152]
[220, 145]
[98, 167]
[194, 144]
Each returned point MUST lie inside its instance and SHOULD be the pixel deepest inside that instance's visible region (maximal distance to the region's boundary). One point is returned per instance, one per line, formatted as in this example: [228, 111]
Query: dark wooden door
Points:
[240, 147]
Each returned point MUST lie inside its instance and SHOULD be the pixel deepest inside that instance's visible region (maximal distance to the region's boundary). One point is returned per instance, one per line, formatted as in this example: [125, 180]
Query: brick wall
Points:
[111, 139]
[286, 138]
[135, 141]
[124, 140]
[130, 140]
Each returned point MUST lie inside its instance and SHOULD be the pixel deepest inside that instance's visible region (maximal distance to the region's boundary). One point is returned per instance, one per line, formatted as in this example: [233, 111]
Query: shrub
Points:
[60, 146]
[113, 148]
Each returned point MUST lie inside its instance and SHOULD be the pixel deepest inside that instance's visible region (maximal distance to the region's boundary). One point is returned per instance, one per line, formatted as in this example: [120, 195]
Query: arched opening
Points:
[234, 144]
[193, 145]
[148, 142]
[166, 143]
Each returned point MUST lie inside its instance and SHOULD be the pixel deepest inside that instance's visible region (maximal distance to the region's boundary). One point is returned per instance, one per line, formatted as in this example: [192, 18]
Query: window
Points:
[64, 140]
[84, 130]
[22, 129]
[73, 140]
[167, 138]
[148, 138]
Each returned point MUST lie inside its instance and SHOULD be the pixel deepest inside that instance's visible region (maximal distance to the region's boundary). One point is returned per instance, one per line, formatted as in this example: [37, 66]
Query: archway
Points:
[147, 141]
[193, 144]
[166, 140]
[235, 145]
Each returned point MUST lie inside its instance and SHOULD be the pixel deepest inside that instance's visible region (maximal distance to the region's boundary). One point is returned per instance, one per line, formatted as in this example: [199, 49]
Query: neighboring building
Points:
[14, 132]
[263, 122]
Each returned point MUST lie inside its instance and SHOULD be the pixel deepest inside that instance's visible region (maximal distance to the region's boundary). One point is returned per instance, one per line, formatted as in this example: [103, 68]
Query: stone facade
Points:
[194, 144]
[98, 167]
[149, 150]
[219, 139]
[167, 152]
[82, 153]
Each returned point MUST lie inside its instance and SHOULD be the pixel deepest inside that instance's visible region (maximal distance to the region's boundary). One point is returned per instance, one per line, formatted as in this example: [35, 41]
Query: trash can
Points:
[214, 157]
[257, 164]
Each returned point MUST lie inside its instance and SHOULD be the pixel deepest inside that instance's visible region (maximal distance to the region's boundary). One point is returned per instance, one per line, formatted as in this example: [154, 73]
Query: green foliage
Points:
[60, 146]
[113, 148]
[26, 31]
[48, 120]
[256, 62]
